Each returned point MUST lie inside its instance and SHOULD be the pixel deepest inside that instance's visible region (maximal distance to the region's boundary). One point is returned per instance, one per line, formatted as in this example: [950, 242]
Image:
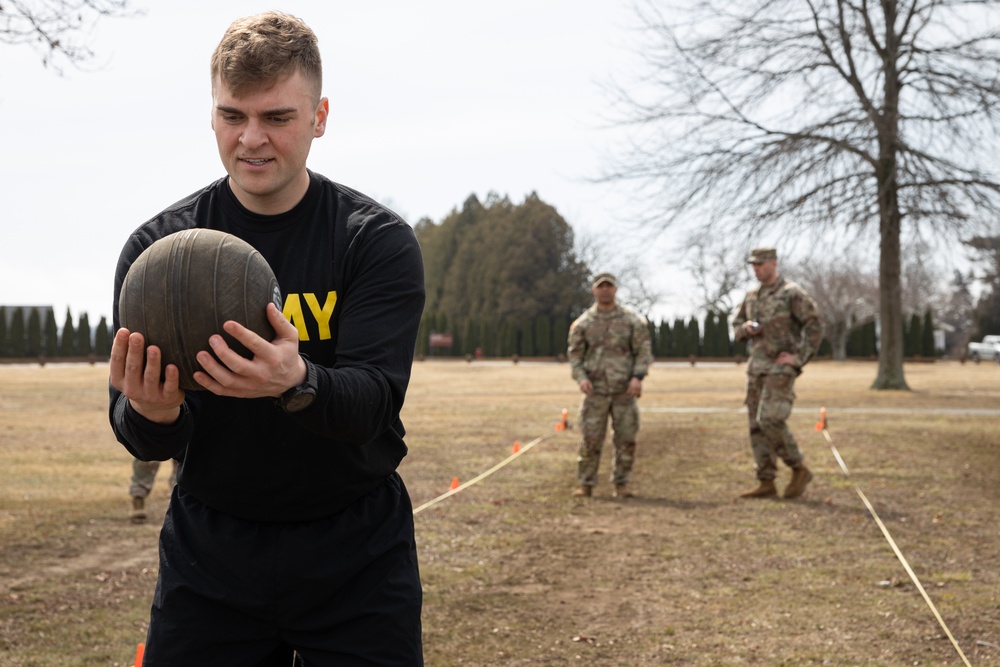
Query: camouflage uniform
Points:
[790, 323]
[144, 475]
[609, 348]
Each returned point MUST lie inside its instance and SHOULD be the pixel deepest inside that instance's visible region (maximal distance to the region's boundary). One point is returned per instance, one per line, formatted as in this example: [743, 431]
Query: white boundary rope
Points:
[482, 476]
[822, 426]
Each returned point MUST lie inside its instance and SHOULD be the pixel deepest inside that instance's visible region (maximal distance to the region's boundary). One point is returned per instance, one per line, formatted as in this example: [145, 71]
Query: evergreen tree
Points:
[543, 336]
[51, 335]
[694, 337]
[84, 347]
[681, 334]
[560, 334]
[527, 338]
[927, 340]
[664, 341]
[4, 340]
[914, 336]
[725, 342]
[708, 342]
[102, 339]
[67, 343]
[487, 336]
[33, 344]
[503, 262]
[18, 344]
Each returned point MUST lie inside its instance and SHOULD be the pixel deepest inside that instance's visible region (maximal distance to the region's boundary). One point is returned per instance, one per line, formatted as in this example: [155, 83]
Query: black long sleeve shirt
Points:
[351, 274]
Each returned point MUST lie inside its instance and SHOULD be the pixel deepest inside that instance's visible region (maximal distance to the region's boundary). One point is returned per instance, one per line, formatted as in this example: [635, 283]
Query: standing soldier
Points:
[609, 353]
[780, 321]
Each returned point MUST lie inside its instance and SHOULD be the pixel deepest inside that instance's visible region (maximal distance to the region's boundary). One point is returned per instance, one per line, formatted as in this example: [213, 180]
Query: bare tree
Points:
[603, 254]
[846, 294]
[58, 30]
[720, 272]
[830, 117]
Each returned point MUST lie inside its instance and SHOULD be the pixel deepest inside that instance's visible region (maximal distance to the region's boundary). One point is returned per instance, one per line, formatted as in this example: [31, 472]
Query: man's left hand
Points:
[634, 387]
[787, 359]
[275, 367]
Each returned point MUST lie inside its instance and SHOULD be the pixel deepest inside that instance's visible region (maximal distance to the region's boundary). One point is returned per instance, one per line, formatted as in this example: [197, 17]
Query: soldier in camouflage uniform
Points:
[609, 353]
[143, 477]
[780, 321]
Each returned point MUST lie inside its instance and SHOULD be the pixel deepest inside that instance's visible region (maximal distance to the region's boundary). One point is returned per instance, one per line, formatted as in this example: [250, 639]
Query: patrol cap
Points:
[604, 278]
[759, 255]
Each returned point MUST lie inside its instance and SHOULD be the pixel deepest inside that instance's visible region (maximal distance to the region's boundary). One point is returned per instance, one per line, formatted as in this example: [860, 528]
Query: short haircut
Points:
[257, 51]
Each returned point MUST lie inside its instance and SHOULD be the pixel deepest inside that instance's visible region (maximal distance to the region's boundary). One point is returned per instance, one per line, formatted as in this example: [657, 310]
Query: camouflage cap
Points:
[758, 255]
[604, 278]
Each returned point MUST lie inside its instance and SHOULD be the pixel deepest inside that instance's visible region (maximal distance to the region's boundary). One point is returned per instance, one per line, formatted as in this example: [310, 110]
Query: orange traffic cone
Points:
[517, 446]
[454, 483]
[821, 424]
[139, 651]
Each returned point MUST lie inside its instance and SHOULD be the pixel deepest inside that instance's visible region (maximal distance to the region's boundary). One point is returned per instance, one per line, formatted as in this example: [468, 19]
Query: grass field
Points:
[516, 572]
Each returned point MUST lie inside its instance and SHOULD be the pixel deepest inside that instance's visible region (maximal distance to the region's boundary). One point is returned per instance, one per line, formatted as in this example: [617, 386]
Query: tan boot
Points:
[765, 489]
[800, 478]
[584, 492]
[138, 513]
[621, 491]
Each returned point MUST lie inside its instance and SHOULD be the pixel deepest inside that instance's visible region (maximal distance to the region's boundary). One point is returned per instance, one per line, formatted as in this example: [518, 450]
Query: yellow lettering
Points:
[292, 311]
[322, 314]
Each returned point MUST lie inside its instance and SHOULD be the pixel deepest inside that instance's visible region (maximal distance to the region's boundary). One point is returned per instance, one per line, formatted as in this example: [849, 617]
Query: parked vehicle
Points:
[989, 349]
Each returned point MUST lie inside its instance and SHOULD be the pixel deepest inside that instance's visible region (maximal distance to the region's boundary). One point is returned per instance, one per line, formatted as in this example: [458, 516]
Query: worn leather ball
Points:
[183, 287]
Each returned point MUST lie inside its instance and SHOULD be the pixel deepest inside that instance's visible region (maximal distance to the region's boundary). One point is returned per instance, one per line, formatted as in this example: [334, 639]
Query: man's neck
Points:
[605, 307]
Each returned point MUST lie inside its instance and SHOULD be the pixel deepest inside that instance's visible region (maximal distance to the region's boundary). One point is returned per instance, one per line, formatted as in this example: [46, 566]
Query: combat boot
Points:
[800, 478]
[765, 489]
[621, 491]
[138, 513]
[584, 492]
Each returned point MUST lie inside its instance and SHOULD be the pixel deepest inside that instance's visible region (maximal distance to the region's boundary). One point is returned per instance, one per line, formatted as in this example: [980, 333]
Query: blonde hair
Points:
[259, 50]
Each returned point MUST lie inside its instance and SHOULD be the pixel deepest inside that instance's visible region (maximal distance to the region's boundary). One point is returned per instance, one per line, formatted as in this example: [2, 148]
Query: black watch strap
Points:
[301, 396]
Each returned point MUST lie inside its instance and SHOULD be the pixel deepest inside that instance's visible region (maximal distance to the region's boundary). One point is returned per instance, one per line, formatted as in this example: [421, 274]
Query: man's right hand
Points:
[135, 372]
[586, 386]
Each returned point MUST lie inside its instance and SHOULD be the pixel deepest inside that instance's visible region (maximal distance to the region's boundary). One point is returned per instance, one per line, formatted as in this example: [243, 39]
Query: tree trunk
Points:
[890, 351]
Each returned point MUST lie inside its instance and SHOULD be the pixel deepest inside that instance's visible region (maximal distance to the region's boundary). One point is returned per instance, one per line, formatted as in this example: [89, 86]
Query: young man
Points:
[289, 526]
[610, 352]
[780, 321]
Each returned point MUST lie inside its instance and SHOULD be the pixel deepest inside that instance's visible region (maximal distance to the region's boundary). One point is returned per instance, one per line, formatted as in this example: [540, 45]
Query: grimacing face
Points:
[264, 139]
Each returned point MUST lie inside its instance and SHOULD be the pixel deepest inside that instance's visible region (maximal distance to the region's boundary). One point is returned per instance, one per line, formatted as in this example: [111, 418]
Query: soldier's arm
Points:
[642, 348]
[576, 351]
[739, 331]
[805, 311]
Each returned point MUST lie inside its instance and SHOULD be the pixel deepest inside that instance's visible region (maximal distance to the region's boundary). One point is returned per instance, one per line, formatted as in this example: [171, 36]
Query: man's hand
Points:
[787, 359]
[276, 366]
[135, 372]
[586, 386]
[634, 387]
[751, 329]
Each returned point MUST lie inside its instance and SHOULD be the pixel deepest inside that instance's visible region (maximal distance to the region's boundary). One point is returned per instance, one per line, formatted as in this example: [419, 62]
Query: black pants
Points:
[341, 591]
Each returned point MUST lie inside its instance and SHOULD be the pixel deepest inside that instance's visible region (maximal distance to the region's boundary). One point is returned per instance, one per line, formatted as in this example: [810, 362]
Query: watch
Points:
[301, 396]
[639, 376]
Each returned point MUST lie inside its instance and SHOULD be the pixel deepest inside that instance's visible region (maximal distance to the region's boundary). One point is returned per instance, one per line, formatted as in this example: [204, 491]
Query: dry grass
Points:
[518, 573]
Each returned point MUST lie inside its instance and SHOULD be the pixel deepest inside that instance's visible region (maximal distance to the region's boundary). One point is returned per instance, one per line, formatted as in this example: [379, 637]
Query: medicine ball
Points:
[183, 287]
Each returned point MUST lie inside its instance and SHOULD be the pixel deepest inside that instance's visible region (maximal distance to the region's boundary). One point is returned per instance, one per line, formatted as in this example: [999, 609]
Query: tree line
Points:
[32, 333]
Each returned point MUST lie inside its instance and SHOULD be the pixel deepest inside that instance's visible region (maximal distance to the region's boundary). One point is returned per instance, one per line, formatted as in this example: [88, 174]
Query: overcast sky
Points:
[430, 102]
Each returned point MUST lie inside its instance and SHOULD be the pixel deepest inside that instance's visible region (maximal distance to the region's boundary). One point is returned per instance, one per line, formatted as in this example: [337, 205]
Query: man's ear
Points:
[322, 114]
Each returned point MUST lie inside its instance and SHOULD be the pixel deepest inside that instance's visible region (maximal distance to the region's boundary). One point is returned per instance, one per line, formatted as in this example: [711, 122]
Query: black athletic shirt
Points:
[351, 275]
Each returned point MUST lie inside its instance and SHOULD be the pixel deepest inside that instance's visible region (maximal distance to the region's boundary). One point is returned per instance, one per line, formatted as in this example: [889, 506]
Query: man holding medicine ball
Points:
[289, 525]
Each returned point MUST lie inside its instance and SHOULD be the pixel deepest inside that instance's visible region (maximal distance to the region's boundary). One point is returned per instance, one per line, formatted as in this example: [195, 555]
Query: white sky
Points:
[430, 102]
